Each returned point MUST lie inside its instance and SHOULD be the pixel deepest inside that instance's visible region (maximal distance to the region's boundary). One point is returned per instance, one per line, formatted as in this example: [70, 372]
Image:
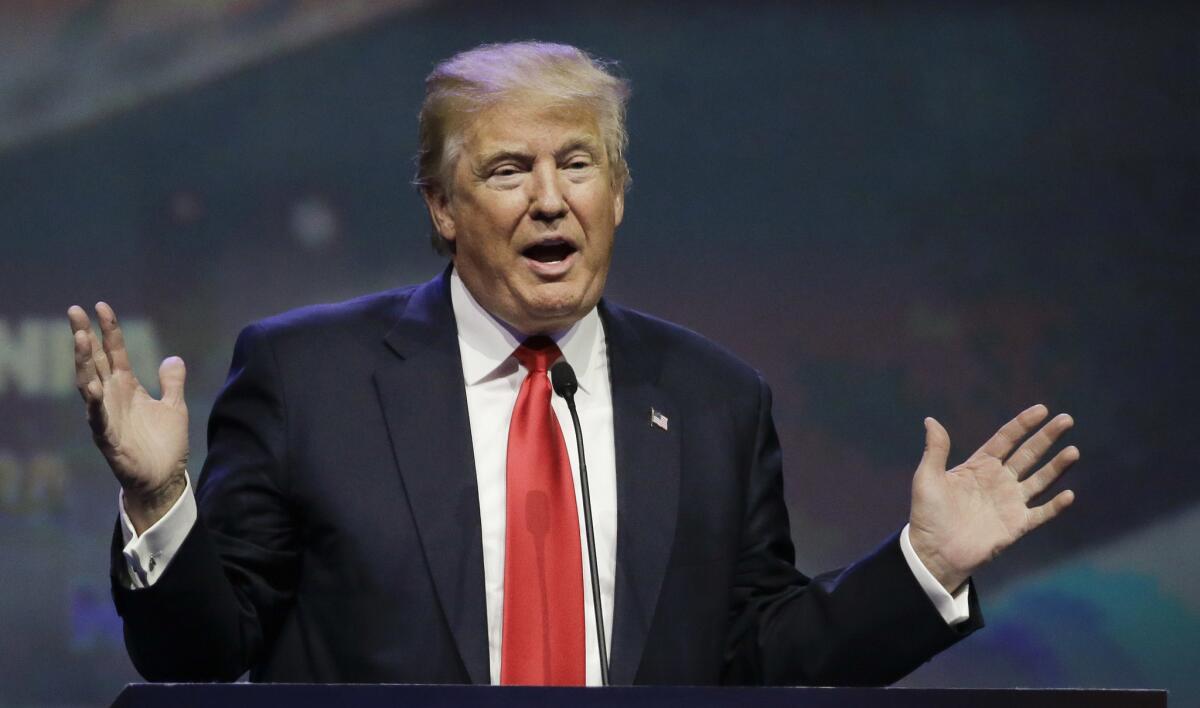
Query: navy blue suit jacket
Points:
[339, 532]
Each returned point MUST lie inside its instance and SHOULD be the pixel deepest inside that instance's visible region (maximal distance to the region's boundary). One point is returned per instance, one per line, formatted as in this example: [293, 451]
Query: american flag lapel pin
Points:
[658, 419]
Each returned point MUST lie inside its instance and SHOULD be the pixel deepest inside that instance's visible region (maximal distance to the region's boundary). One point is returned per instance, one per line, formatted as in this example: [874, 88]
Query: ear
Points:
[618, 206]
[440, 213]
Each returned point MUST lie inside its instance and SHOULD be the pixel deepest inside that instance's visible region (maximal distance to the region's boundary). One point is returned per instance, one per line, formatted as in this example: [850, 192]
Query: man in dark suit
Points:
[357, 519]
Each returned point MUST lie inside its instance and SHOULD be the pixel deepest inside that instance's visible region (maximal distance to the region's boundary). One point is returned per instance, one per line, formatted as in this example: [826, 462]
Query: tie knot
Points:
[537, 354]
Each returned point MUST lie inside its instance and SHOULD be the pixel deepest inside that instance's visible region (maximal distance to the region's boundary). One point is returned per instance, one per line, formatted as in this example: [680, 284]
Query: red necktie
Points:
[543, 642]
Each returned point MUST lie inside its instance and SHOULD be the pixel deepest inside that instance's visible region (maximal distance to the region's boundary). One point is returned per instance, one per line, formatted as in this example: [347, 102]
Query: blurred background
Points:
[892, 209]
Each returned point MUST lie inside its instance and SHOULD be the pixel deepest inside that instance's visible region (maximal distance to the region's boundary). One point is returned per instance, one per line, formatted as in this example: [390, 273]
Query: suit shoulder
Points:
[370, 312]
[685, 349]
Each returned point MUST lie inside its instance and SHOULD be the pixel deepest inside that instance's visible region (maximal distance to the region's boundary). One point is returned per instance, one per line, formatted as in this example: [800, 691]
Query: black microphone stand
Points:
[562, 376]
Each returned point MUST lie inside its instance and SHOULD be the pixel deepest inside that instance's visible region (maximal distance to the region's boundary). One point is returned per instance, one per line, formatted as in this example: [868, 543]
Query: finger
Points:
[99, 358]
[171, 374]
[1039, 515]
[1037, 482]
[78, 319]
[85, 366]
[80, 323]
[114, 340]
[88, 382]
[937, 446]
[1007, 437]
[1032, 449]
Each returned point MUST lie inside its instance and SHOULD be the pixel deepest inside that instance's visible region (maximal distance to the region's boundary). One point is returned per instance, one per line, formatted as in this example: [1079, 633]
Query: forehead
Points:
[530, 126]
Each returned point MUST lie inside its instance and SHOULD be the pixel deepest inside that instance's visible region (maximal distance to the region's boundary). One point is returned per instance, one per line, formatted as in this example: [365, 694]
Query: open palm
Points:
[963, 517]
[144, 440]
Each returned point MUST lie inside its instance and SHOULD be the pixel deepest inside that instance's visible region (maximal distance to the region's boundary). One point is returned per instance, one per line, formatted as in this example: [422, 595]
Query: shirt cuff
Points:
[147, 555]
[955, 608]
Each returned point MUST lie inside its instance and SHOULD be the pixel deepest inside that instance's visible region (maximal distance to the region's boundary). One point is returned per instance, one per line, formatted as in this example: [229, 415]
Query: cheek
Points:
[595, 208]
[598, 224]
[489, 210]
[485, 230]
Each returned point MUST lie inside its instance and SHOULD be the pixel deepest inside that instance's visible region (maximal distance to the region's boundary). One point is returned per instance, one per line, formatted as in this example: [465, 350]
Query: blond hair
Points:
[471, 81]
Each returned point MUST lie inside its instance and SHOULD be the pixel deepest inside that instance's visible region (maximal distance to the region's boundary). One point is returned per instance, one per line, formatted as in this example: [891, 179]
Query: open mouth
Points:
[549, 251]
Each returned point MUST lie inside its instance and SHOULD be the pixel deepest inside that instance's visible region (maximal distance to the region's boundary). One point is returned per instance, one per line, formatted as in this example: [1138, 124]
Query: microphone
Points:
[562, 377]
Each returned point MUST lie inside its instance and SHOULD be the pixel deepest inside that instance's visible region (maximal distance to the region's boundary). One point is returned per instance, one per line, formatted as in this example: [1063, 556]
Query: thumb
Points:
[171, 374]
[937, 446]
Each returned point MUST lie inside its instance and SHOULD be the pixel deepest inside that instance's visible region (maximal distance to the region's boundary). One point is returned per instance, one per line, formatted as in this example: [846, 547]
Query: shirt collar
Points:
[487, 343]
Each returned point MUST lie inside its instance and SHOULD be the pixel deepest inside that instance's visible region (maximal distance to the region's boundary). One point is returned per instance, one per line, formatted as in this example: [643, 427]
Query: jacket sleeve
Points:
[226, 592]
[870, 623]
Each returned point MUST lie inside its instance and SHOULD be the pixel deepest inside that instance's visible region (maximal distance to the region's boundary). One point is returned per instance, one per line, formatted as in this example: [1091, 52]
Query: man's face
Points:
[531, 213]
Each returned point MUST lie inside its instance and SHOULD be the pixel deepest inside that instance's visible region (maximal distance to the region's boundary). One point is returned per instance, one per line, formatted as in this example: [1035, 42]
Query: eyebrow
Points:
[585, 143]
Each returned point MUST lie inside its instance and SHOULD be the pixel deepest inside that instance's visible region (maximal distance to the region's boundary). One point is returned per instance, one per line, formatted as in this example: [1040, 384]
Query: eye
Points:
[505, 171]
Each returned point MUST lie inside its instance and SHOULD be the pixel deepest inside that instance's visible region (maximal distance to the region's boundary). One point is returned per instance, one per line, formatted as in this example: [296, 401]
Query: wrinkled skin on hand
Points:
[144, 440]
[963, 517]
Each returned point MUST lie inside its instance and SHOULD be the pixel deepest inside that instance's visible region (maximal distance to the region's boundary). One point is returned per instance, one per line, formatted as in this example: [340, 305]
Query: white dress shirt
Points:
[492, 378]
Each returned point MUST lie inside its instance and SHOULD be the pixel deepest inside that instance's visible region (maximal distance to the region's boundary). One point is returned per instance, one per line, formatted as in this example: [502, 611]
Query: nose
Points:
[546, 200]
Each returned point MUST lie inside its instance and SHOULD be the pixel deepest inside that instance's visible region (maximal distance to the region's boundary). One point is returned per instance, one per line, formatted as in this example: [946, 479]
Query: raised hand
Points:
[963, 517]
[144, 440]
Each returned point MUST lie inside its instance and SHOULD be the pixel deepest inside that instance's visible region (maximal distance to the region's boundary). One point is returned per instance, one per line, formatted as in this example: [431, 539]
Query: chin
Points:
[555, 313]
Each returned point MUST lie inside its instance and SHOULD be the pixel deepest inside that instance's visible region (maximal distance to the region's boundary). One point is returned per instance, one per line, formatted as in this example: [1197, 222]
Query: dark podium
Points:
[414, 696]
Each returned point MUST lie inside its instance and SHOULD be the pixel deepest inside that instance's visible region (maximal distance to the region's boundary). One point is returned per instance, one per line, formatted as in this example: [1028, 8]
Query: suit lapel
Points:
[424, 403]
[647, 460]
